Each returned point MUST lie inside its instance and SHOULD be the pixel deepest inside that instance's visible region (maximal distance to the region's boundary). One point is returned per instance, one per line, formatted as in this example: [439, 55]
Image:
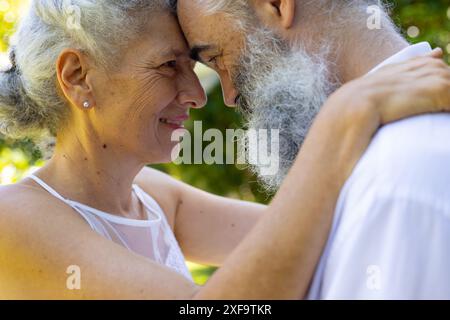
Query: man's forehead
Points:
[199, 30]
[189, 20]
[190, 7]
[205, 33]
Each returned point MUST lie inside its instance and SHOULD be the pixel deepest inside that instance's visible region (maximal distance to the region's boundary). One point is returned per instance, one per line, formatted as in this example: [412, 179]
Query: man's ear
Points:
[281, 12]
[72, 72]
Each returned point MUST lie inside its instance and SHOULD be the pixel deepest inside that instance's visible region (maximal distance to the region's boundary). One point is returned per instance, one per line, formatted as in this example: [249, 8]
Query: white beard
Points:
[281, 88]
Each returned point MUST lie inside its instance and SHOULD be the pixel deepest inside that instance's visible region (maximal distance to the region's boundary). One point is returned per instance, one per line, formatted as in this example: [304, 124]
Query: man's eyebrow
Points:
[196, 50]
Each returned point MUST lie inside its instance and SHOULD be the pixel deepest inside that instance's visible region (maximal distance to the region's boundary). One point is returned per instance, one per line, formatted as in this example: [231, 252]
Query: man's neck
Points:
[360, 56]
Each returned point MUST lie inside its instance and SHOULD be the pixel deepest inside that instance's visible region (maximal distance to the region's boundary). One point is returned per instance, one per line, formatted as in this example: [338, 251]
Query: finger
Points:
[431, 60]
[436, 53]
[437, 68]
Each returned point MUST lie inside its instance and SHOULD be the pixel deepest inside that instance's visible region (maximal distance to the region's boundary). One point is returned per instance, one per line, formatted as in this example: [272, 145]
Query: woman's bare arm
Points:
[209, 228]
[40, 237]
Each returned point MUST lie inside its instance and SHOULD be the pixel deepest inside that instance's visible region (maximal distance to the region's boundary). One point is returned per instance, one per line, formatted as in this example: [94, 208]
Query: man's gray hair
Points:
[339, 11]
[234, 7]
[30, 104]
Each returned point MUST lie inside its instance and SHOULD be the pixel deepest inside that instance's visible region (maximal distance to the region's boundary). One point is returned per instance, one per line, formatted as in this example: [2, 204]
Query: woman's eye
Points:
[170, 64]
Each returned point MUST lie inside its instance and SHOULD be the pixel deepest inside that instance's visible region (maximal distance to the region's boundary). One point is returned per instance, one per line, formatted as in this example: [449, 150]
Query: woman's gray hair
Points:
[30, 102]
[232, 7]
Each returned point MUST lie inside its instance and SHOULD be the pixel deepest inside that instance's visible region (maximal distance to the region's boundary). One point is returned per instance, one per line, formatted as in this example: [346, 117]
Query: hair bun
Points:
[20, 117]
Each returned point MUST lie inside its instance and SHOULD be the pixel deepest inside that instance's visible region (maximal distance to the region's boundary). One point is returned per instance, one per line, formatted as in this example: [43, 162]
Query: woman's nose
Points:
[192, 92]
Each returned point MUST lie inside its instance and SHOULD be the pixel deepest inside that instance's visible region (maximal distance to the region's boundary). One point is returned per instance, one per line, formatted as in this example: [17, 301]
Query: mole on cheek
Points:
[105, 146]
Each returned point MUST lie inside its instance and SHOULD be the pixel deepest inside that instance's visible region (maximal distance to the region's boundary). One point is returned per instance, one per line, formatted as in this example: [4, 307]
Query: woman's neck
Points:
[95, 174]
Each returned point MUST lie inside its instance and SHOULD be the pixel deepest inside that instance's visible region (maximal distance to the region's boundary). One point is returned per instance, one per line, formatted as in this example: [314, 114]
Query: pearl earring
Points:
[86, 104]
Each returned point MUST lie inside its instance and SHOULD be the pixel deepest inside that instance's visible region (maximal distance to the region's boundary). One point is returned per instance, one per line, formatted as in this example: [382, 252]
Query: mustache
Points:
[242, 102]
[243, 106]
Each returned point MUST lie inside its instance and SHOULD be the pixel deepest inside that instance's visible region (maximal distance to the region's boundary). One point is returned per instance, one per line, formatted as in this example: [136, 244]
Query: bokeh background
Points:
[419, 20]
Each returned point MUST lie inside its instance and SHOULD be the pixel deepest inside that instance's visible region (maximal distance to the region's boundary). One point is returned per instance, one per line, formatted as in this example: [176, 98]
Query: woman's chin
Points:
[166, 154]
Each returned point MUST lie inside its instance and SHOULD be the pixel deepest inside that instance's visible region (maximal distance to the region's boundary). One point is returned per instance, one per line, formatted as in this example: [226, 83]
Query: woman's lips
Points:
[174, 122]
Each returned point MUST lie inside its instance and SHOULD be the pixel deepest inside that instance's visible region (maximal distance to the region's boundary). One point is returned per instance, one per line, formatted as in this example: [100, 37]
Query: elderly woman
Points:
[112, 90]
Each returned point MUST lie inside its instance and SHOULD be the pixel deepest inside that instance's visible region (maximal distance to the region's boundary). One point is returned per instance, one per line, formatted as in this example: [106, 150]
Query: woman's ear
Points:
[72, 72]
[281, 12]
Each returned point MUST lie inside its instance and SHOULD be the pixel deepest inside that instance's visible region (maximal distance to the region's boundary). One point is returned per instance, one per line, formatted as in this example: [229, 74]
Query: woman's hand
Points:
[395, 92]
[417, 86]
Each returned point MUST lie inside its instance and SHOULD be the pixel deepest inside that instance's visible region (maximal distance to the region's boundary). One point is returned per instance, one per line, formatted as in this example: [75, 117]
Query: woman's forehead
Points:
[162, 37]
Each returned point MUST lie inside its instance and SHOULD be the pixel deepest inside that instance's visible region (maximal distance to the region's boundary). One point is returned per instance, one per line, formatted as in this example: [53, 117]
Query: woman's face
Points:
[148, 97]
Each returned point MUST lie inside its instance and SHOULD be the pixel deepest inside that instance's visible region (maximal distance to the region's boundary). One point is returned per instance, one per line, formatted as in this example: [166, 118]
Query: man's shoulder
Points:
[406, 146]
[397, 200]
[426, 131]
[412, 154]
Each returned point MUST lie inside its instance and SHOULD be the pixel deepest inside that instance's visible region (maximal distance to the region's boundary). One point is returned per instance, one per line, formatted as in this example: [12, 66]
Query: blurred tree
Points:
[419, 20]
[430, 17]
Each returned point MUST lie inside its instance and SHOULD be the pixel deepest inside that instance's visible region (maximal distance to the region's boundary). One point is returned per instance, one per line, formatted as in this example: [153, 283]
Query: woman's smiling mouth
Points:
[174, 122]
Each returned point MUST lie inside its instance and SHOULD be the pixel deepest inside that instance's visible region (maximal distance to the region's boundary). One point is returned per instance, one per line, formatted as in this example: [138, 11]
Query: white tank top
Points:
[152, 238]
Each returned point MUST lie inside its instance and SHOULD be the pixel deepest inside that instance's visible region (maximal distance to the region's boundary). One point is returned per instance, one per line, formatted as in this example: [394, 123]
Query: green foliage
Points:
[225, 180]
[431, 17]
[9, 11]
[434, 25]
[16, 158]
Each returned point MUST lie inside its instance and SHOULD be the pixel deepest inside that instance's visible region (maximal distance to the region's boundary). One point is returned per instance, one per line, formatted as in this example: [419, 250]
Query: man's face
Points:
[215, 42]
[276, 84]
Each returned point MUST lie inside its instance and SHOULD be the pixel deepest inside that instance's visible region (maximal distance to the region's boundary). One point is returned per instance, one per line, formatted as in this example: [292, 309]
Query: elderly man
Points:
[279, 61]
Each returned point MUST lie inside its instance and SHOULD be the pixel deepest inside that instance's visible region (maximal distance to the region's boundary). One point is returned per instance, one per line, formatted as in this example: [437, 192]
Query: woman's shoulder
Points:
[22, 202]
[25, 199]
[22, 192]
[19, 196]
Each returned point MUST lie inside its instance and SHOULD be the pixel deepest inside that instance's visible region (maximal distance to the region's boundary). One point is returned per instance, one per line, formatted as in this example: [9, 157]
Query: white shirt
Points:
[391, 232]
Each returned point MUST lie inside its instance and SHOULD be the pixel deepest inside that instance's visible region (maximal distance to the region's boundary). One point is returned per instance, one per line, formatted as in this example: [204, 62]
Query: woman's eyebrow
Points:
[164, 53]
[197, 50]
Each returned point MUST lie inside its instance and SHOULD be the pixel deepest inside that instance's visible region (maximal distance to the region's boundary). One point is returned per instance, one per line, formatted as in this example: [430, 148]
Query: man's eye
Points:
[213, 60]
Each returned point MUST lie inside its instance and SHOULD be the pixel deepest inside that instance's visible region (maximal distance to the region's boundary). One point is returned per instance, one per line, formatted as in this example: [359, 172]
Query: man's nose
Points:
[192, 93]
[230, 94]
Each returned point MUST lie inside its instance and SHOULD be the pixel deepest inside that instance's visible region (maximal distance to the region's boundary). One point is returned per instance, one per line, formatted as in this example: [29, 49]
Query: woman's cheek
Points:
[151, 104]
[167, 90]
